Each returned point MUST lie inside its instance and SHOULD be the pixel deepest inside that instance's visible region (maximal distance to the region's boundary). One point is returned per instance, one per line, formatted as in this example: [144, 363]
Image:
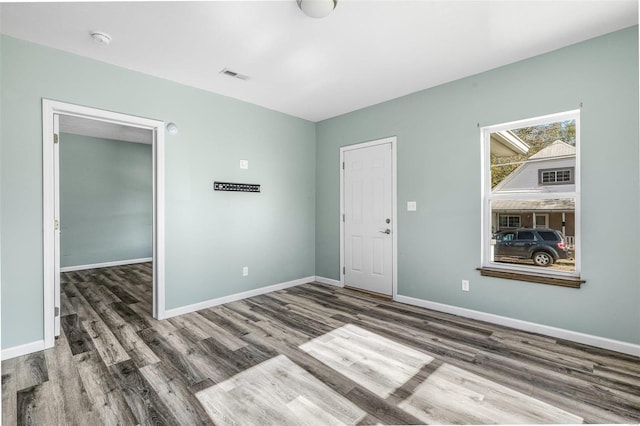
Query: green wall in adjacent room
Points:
[106, 200]
[210, 235]
[439, 166]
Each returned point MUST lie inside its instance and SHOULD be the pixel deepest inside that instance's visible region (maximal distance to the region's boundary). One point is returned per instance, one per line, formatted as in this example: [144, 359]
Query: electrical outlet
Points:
[244, 164]
[245, 271]
[465, 285]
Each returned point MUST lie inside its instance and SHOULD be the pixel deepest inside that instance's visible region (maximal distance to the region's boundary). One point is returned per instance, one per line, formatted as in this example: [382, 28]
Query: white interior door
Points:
[368, 210]
[57, 226]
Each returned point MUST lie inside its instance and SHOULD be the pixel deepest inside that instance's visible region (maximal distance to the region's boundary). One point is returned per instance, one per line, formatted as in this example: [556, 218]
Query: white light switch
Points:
[412, 206]
[244, 164]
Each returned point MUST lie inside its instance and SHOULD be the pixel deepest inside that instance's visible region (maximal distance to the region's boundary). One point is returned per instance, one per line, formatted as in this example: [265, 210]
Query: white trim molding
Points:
[237, 296]
[20, 350]
[328, 281]
[560, 333]
[105, 264]
[50, 110]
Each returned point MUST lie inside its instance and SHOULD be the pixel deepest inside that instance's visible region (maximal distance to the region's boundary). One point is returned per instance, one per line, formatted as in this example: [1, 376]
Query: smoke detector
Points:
[101, 37]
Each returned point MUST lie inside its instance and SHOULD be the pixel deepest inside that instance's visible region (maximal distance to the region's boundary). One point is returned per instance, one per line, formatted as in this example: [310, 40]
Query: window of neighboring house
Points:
[531, 182]
[541, 221]
[555, 176]
[506, 221]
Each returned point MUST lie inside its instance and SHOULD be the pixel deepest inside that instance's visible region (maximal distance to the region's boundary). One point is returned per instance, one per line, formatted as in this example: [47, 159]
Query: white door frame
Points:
[394, 220]
[50, 173]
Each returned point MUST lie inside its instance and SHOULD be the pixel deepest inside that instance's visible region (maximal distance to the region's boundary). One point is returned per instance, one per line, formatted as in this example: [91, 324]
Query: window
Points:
[506, 221]
[526, 236]
[531, 195]
[555, 176]
[548, 236]
[506, 236]
[541, 221]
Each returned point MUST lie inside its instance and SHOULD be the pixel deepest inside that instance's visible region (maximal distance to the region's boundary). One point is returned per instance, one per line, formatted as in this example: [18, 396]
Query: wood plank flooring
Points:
[312, 354]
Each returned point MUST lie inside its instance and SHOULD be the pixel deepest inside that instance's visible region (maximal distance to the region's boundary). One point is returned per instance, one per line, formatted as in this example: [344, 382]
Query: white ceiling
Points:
[365, 53]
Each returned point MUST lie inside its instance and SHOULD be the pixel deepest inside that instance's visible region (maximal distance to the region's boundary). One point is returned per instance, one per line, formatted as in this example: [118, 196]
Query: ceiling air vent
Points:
[234, 74]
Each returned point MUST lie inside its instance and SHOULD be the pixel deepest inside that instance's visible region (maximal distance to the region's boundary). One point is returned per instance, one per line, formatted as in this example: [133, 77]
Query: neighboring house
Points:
[552, 169]
[506, 144]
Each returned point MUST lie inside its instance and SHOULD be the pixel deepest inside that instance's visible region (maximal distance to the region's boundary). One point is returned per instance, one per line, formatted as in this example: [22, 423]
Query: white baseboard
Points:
[105, 264]
[602, 342]
[574, 336]
[329, 281]
[25, 349]
[233, 297]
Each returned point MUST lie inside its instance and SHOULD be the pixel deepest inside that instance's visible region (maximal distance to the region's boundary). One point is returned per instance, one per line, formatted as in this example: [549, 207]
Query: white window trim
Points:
[487, 195]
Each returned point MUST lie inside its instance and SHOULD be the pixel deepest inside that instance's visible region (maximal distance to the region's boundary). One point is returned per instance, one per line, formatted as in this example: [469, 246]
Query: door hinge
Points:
[343, 217]
[55, 138]
[56, 311]
[343, 165]
[56, 224]
[344, 270]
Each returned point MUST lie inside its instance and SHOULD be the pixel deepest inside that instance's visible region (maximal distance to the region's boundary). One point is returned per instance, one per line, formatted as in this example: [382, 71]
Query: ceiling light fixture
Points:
[317, 8]
[100, 37]
[172, 129]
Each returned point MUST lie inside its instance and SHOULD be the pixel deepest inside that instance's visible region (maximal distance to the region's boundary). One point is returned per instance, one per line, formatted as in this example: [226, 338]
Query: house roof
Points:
[539, 206]
[556, 149]
[506, 144]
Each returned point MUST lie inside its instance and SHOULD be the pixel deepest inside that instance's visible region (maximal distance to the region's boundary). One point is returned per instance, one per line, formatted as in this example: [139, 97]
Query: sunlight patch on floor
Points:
[374, 362]
[452, 395]
[277, 391]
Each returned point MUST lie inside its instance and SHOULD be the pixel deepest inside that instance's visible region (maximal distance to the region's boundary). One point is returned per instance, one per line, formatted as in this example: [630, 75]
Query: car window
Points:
[548, 235]
[525, 235]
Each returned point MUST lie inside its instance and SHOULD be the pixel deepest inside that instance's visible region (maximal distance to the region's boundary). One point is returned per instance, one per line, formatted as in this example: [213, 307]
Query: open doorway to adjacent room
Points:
[103, 190]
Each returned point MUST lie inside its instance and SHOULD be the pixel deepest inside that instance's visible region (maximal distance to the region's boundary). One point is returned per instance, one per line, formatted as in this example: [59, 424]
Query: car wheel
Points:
[541, 258]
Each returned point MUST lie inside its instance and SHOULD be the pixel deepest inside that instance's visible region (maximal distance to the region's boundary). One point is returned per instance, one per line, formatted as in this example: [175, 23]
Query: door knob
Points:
[386, 231]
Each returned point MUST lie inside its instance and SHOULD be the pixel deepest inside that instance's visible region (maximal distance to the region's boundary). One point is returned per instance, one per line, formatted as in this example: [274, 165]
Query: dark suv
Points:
[543, 246]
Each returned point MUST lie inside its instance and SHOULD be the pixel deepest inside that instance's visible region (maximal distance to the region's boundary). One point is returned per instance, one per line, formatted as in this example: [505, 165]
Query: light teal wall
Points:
[439, 167]
[106, 200]
[210, 236]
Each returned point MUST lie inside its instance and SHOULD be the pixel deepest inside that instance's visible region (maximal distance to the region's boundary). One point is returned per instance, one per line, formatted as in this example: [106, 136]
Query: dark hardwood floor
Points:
[311, 354]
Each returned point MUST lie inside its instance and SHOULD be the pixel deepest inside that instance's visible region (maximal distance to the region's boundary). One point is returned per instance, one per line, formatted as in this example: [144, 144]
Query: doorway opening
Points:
[368, 212]
[69, 121]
